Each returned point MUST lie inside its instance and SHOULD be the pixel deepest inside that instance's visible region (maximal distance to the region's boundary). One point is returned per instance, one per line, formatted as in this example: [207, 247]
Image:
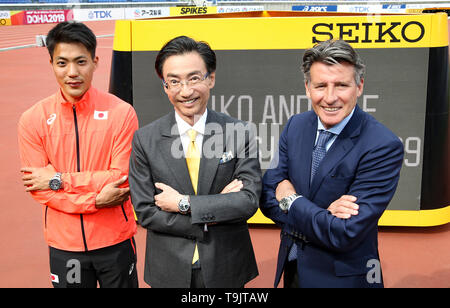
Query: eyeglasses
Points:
[175, 84]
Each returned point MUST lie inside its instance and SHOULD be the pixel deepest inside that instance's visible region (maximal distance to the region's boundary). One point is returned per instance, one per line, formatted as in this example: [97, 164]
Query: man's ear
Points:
[212, 80]
[95, 60]
[361, 87]
[307, 89]
[166, 89]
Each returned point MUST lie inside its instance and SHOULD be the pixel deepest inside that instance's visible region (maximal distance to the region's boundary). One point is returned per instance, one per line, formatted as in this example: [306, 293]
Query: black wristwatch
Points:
[55, 182]
[184, 205]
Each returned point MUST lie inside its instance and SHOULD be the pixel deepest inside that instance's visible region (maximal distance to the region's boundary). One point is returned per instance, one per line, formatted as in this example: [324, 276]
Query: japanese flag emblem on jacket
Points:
[100, 115]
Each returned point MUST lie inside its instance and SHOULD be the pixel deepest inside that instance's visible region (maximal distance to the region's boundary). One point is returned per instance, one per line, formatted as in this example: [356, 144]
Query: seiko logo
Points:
[366, 32]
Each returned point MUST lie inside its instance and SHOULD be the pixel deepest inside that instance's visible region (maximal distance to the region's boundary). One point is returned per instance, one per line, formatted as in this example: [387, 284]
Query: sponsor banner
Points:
[373, 9]
[315, 8]
[5, 18]
[385, 8]
[418, 8]
[394, 8]
[235, 9]
[40, 17]
[192, 10]
[98, 14]
[148, 12]
[381, 31]
[367, 9]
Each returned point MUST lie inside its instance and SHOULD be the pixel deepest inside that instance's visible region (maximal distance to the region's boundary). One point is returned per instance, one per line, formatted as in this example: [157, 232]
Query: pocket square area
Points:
[227, 156]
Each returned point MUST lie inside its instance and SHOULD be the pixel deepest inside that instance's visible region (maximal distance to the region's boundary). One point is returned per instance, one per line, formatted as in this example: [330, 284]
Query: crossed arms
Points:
[156, 201]
[82, 192]
[344, 223]
[37, 179]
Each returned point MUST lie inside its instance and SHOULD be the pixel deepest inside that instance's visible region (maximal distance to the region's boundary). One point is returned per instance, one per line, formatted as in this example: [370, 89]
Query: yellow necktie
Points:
[193, 159]
[193, 164]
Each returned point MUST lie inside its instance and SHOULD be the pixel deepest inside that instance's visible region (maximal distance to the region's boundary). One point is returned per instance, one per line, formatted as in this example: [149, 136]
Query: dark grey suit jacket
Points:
[226, 252]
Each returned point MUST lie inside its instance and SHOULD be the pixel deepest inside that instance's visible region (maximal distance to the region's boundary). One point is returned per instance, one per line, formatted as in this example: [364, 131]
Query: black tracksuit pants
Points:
[110, 267]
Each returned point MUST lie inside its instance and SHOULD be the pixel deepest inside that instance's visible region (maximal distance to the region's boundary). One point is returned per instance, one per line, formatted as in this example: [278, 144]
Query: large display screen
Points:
[259, 79]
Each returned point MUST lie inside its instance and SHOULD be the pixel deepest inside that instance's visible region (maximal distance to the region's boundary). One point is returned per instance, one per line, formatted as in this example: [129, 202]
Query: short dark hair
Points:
[182, 45]
[71, 32]
[332, 52]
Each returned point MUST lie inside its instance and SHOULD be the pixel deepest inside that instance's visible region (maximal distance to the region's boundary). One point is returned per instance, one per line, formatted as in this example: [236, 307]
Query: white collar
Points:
[199, 126]
[338, 128]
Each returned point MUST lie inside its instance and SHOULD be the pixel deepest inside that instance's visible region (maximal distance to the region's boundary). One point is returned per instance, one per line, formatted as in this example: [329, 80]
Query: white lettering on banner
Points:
[277, 109]
[315, 8]
[249, 100]
[413, 146]
[365, 107]
[45, 18]
[287, 106]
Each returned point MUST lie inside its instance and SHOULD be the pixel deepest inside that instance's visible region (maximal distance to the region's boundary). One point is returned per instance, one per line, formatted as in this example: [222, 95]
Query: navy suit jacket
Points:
[364, 161]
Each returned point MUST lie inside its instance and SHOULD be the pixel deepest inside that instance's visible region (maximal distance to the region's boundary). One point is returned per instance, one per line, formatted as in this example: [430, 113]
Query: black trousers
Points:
[290, 279]
[197, 279]
[110, 267]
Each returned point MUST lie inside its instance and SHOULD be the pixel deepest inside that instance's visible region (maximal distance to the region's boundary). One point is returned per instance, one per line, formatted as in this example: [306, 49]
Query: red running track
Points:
[410, 257]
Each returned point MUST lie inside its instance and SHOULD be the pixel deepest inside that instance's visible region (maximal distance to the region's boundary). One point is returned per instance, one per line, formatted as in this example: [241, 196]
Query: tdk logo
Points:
[99, 14]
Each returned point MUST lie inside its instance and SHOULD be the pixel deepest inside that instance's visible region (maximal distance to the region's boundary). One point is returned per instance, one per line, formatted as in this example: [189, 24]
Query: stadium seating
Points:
[15, 1]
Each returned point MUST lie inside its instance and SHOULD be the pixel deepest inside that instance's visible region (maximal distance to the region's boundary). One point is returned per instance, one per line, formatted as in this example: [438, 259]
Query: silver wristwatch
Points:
[184, 205]
[286, 202]
[55, 182]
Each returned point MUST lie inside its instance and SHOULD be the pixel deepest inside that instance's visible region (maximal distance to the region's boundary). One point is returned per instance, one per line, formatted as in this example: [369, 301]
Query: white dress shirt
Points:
[336, 130]
[184, 127]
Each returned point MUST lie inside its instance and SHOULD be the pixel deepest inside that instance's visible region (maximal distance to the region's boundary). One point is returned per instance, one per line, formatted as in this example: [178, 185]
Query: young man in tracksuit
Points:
[74, 149]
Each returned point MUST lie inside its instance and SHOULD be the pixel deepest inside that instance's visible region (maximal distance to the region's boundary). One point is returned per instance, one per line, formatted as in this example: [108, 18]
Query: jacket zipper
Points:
[124, 213]
[78, 170]
[46, 209]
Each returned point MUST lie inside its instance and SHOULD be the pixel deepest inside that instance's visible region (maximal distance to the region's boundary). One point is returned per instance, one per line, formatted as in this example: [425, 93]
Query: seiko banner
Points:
[259, 80]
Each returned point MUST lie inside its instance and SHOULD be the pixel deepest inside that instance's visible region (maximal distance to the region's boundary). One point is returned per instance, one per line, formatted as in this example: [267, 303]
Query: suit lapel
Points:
[214, 135]
[341, 146]
[175, 159]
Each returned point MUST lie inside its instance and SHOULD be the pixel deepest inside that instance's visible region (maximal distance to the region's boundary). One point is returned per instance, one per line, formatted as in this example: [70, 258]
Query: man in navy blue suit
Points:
[336, 171]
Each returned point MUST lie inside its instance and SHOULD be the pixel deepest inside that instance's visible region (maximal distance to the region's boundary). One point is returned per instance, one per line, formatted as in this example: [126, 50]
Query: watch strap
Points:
[55, 182]
[290, 199]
